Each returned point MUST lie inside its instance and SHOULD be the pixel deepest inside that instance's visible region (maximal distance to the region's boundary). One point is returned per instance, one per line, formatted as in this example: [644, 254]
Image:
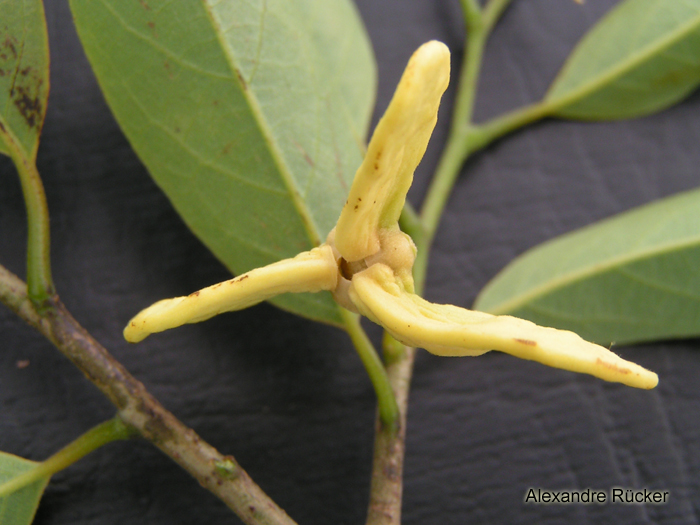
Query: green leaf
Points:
[24, 76]
[640, 58]
[19, 507]
[626, 279]
[250, 115]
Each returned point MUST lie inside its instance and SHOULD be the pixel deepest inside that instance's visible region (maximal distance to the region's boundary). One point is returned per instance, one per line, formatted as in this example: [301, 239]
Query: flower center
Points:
[396, 250]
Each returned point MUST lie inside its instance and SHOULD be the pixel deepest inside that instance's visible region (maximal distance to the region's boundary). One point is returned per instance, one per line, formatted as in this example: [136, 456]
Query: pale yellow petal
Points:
[311, 271]
[451, 331]
[379, 189]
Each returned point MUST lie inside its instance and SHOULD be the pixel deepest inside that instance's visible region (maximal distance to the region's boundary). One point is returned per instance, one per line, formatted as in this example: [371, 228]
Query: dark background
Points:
[289, 398]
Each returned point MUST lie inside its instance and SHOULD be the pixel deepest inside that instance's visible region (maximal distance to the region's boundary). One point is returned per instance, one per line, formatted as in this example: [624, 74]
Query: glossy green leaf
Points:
[19, 507]
[630, 278]
[250, 115]
[642, 57]
[24, 76]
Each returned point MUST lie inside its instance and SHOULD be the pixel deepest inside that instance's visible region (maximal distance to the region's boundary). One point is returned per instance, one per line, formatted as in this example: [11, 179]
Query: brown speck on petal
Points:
[527, 342]
[611, 366]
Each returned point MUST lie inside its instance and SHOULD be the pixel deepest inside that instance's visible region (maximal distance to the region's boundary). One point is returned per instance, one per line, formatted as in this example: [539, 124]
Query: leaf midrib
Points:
[623, 67]
[276, 155]
[581, 274]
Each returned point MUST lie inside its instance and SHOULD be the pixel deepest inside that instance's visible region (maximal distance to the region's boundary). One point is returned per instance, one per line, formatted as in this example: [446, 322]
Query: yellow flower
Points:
[367, 261]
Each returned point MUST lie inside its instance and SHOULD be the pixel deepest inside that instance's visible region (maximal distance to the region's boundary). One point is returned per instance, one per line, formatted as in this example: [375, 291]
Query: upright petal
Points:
[311, 271]
[451, 331]
[379, 189]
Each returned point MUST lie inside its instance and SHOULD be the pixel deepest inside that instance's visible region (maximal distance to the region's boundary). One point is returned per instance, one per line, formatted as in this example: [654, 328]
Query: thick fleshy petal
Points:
[451, 331]
[311, 271]
[378, 192]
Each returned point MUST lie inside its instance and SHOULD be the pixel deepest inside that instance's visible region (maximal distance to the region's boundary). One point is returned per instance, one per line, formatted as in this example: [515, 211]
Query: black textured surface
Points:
[288, 398]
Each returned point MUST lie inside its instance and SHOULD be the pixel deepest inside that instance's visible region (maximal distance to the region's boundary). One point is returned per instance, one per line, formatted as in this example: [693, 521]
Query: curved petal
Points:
[379, 189]
[451, 331]
[311, 271]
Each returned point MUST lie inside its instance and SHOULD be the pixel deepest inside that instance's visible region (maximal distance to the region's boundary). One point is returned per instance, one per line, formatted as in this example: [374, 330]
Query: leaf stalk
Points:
[39, 281]
[96, 437]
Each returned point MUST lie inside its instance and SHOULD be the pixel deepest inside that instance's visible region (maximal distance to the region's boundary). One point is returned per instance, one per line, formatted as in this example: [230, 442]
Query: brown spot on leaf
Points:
[613, 367]
[9, 44]
[145, 5]
[152, 26]
[527, 342]
[28, 102]
[169, 69]
[227, 148]
[244, 85]
[27, 88]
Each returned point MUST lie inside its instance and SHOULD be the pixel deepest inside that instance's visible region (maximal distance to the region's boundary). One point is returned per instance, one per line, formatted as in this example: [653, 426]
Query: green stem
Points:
[471, 9]
[96, 437]
[389, 446]
[456, 148]
[388, 410]
[484, 134]
[448, 168]
[463, 138]
[492, 13]
[39, 283]
[469, 73]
